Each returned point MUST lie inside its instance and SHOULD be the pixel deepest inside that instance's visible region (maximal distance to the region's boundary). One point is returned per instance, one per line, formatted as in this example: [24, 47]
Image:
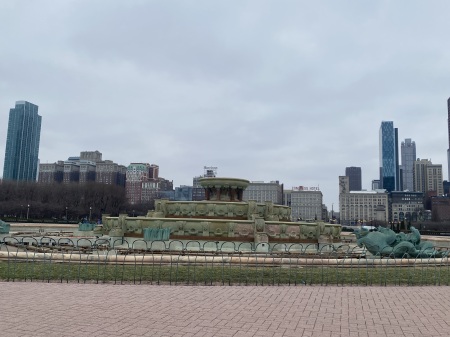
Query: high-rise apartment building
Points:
[22, 142]
[389, 168]
[408, 153]
[354, 175]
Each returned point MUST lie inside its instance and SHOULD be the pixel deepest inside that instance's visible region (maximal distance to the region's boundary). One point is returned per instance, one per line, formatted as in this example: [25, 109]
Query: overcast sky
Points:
[293, 91]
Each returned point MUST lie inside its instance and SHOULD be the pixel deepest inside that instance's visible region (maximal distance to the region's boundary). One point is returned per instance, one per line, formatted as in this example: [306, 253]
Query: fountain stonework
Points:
[222, 217]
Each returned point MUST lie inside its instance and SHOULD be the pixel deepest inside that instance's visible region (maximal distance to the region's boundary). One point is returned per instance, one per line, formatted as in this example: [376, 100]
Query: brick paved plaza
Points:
[40, 309]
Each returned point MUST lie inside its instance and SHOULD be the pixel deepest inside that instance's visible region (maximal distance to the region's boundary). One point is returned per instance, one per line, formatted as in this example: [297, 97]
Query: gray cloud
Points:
[266, 90]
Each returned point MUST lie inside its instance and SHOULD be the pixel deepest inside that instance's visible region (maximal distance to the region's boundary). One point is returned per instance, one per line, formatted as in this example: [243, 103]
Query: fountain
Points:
[222, 217]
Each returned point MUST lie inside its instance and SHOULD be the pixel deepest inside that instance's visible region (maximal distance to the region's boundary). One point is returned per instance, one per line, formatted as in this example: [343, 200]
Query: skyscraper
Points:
[448, 149]
[428, 177]
[354, 175]
[408, 152]
[388, 156]
[22, 142]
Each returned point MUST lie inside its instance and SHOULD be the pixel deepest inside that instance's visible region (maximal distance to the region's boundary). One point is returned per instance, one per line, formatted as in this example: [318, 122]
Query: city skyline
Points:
[264, 92]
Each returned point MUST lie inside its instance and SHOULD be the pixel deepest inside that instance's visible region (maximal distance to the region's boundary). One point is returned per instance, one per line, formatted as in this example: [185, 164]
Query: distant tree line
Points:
[22, 200]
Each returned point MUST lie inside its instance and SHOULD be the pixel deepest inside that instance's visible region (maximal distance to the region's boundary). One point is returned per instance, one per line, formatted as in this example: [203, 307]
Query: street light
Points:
[21, 209]
[67, 220]
[90, 212]
[28, 210]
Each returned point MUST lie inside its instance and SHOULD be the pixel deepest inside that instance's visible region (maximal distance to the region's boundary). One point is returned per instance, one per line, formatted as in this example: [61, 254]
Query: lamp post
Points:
[90, 212]
[21, 209]
[28, 211]
[67, 219]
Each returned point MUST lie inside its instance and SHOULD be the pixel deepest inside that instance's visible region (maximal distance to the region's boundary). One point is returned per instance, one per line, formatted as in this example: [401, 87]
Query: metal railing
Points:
[65, 260]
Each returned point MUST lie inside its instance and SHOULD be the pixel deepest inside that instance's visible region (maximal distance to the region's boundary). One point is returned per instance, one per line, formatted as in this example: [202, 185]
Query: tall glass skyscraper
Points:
[22, 142]
[388, 156]
[448, 150]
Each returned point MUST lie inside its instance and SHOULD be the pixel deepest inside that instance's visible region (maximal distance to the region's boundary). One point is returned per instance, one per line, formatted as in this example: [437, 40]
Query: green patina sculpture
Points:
[385, 242]
[4, 227]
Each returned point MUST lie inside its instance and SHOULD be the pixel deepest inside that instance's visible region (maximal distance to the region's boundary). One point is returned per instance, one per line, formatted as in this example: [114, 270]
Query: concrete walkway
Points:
[40, 309]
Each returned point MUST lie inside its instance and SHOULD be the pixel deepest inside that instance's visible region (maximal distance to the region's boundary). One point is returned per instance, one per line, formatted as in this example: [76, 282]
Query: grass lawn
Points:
[220, 273]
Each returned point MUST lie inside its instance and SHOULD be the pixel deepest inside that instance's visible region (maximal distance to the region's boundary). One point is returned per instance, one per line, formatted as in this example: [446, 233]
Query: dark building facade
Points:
[51, 173]
[440, 209]
[108, 172]
[22, 143]
[354, 178]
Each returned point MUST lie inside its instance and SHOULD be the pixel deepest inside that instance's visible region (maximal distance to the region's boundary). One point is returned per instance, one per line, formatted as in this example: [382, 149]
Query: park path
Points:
[41, 309]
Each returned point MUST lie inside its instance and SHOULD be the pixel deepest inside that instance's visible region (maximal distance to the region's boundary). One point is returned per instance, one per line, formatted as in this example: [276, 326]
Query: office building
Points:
[108, 172]
[376, 184]
[260, 191]
[22, 143]
[137, 178]
[143, 184]
[434, 179]
[440, 209]
[408, 154]
[446, 188]
[448, 149]
[87, 171]
[388, 156]
[420, 175]
[153, 171]
[198, 192]
[344, 184]
[306, 204]
[183, 193]
[51, 173]
[92, 156]
[406, 206]
[428, 177]
[364, 207]
[354, 175]
[71, 170]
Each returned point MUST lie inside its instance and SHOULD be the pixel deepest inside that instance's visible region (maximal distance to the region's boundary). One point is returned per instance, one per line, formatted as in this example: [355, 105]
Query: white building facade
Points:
[261, 192]
[364, 207]
[306, 204]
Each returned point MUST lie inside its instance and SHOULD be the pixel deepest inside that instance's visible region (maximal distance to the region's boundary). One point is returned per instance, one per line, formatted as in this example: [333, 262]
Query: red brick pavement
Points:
[40, 309]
